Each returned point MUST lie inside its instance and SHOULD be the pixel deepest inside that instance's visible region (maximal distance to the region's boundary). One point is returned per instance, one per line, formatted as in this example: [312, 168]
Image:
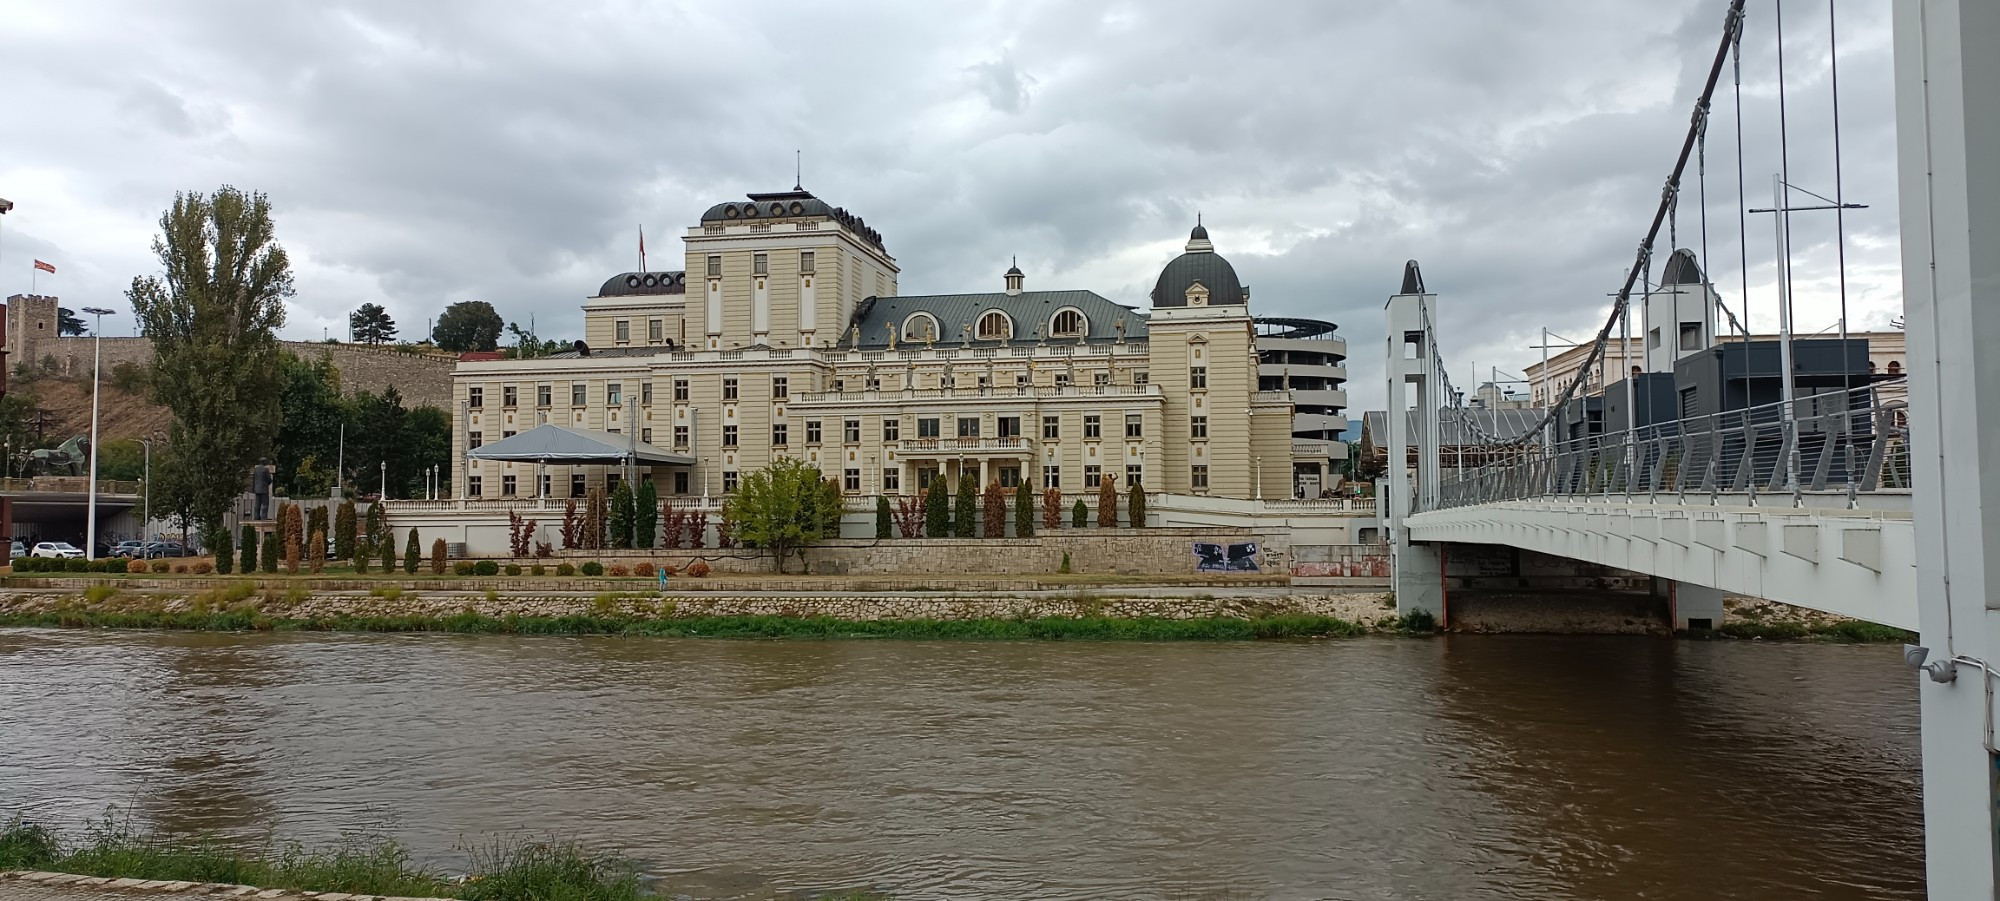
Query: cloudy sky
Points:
[420, 154]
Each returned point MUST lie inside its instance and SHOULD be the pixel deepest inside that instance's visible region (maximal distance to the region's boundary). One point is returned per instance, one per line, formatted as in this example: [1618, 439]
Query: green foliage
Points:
[437, 557]
[646, 515]
[364, 551]
[371, 324]
[593, 568]
[513, 569]
[1024, 511]
[1107, 503]
[1417, 622]
[380, 430]
[213, 317]
[311, 413]
[225, 552]
[565, 569]
[784, 506]
[622, 520]
[377, 526]
[884, 522]
[413, 553]
[121, 459]
[316, 521]
[467, 325]
[249, 550]
[966, 509]
[343, 530]
[462, 568]
[1065, 564]
[1135, 505]
[486, 568]
[130, 377]
[267, 556]
[993, 512]
[937, 511]
[387, 547]
[1079, 515]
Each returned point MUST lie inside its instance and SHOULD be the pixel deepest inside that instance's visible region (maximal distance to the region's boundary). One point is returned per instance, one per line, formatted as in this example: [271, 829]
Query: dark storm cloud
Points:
[421, 154]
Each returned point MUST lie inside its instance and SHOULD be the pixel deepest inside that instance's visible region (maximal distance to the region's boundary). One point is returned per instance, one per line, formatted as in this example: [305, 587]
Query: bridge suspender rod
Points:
[1731, 23]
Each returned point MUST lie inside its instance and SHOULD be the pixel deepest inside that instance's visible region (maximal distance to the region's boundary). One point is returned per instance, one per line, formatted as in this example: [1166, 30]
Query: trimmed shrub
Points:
[203, 567]
[413, 554]
[993, 512]
[513, 569]
[462, 568]
[564, 569]
[225, 552]
[364, 551]
[136, 566]
[291, 531]
[316, 554]
[620, 516]
[249, 550]
[1135, 505]
[937, 511]
[697, 570]
[267, 556]
[180, 569]
[1079, 515]
[593, 568]
[618, 569]
[160, 566]
[386, 546]
[316, 522]
[670, 569]
[645, 507]
[343, 531]
[486, 568]
[1107, 503]
[538, 570]
[883, 521]
[1051, 508]
[437, 557]
[1024, 511]
[966, 507]
[644, 568]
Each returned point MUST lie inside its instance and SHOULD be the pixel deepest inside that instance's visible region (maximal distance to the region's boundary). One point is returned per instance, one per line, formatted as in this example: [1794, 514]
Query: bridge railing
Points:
[1853, 439]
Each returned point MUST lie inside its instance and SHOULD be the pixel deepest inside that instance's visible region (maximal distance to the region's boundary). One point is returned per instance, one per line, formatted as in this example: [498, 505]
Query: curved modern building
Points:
[1306, 357]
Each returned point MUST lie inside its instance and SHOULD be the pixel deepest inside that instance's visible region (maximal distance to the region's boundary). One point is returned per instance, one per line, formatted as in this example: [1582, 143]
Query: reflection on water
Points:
[1462, 767]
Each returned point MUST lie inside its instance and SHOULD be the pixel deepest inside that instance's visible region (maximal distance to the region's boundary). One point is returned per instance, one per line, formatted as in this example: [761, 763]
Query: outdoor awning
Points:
[558, 444]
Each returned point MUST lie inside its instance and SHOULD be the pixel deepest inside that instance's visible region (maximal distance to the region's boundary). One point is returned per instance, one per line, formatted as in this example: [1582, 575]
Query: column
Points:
[1696, 607]
[1948, 160]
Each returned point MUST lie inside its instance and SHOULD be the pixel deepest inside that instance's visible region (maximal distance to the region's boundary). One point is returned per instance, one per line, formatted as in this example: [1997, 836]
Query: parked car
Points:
[18, 550]
[128, 549]
[166, 549]
[55, 549]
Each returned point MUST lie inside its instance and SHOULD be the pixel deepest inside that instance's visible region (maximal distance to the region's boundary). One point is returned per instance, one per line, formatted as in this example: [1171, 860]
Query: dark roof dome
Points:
[795, 203]
[632, 284]
[1014, 270]
[1199, 264]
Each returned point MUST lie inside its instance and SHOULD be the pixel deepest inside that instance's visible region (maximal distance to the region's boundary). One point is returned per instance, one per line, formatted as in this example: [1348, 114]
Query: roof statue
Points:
[891, 327]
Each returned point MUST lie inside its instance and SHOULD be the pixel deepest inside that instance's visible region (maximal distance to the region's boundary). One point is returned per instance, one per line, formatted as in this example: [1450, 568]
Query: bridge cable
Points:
[1742, 197]
[1784, 197]
[1839, 199]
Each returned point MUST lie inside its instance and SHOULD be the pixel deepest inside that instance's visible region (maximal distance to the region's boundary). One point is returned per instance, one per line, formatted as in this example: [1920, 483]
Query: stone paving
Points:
[34, 886]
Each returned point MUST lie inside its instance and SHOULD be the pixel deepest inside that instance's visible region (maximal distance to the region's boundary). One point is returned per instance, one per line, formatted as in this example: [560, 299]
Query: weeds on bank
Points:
[1853, 631]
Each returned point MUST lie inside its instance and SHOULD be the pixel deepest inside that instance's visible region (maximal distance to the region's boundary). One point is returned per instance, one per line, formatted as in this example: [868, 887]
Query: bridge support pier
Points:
[1696, 607]
[1418, 578]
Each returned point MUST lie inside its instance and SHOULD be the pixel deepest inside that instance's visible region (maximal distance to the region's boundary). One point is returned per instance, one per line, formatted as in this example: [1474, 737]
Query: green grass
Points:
[1092, 628]
[504, 870]
[1852, 631]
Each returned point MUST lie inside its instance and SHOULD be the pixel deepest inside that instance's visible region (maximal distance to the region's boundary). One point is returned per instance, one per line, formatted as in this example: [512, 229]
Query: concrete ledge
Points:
[97, 885]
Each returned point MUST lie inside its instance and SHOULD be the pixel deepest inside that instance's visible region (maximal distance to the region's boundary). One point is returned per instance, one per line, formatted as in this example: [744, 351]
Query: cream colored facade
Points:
[756, 351]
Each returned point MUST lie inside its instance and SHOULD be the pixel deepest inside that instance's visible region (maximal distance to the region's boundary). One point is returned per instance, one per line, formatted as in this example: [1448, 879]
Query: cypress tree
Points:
[387, 546]
[966, 511]
[316, 554]
[1107, 503]
[437, 557]
[1024, 511]
[316, 522]
[1079, 515]
[882, 519]
[343, 531]
[645, 506]
[413, 554]
[937, 512]
[225, 552]
[364, 551]
[249, 550]
[268, 554]
[621, 516]
[1135, 505]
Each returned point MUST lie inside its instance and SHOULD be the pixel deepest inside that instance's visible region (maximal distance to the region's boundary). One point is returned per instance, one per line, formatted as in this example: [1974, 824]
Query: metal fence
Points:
[1854, 440]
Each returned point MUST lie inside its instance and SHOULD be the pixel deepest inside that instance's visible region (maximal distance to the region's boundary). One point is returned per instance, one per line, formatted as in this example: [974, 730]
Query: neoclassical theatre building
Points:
[785, 335]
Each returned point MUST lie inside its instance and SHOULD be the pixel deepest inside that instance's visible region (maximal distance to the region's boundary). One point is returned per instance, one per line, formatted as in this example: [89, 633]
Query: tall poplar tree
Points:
[213, 314]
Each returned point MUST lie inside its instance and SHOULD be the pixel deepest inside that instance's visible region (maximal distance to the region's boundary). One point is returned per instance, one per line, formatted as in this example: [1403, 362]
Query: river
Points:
[1461, 767]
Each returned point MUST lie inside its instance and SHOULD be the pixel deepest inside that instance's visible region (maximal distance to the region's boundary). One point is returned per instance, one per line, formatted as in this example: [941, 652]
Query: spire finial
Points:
[798, 170]
[1197, 217]
[1016, 260]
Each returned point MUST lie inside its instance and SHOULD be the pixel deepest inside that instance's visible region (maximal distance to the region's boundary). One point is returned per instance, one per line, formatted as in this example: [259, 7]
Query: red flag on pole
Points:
[49, 268]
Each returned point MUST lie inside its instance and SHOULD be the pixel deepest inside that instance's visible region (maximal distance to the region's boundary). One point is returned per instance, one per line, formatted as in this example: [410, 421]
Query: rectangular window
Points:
[927, 428]
[1093, 426]
[577, 488]
[729, 389]
[892, 429]
[760, 264]
[548, 484]
[715, 267]
[1653, 340]
[1690, 336]
[874, 383]
[475, 397]
[812, 431]
[1020, 380]
[805, 262]
[729, 436]
[577, 393]
[892, 481]
[729, 481]
[506, 433]
[985, 382]
[473, 487]
[1051, 477]
[509, 396]
[781, 435]
[680, 436]
[1197, 377]
[474, 440]
[681, 390]
[1092, 475]
[1135, 425]
[624, 330]
[507, 486]
[1062, 379]
[1140, 378]
[781, 387]
[1009, 426]
[681, 482]
[1100, 379]
[544, 395]
[968, 427]
[850, 431]
[1197, 427]
[850, 481]
[1010, 476]
[946, 381]
[1198, 476]
[1051, 427]
[614, 395]
[925, 476]
[656, 331]
[1133, 474]
[646, 435]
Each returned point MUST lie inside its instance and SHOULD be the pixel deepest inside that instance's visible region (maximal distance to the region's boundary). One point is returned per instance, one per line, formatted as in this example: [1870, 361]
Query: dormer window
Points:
[1197, 295]
[995, 326]
[920, 327]
[1067, 324]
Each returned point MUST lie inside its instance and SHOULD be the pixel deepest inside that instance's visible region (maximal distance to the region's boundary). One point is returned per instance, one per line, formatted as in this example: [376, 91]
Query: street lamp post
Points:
[96, 363]
[146, 486]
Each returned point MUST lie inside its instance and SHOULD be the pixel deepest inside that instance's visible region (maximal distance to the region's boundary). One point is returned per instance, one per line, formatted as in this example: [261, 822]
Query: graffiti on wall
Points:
[1214, 557]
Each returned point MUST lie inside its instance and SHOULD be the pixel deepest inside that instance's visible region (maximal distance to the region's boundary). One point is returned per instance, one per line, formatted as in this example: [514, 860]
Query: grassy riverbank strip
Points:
[1086, 628]
[500, 871]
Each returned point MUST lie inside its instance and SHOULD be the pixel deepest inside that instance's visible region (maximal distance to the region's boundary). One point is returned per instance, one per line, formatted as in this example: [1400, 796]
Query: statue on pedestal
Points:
[262, 476]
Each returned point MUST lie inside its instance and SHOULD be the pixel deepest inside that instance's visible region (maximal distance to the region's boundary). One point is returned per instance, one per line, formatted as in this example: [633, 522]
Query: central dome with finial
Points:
[1202, 266]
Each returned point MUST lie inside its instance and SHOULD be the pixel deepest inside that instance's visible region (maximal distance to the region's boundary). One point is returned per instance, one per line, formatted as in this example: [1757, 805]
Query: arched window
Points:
[1067, 323]
[995, 326]
[1895, 368]
[920, 327]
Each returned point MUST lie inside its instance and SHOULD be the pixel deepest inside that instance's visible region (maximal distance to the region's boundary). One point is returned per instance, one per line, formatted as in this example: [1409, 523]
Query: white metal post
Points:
[1788, 388]
[96, 363]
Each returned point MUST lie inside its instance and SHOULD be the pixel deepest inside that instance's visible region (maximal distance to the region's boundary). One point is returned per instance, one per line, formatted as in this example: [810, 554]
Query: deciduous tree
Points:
[212, 315]
[468, 325]
[783, 508]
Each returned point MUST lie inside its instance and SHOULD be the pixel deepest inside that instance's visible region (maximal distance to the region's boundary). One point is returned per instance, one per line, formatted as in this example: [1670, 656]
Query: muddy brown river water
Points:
[1462, 767]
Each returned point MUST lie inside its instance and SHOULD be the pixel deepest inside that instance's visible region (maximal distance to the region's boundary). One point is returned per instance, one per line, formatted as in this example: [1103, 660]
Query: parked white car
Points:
[55, 549]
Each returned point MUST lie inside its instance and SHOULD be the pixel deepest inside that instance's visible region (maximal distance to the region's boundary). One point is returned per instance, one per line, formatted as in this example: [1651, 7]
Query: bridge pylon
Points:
[1417, 570]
